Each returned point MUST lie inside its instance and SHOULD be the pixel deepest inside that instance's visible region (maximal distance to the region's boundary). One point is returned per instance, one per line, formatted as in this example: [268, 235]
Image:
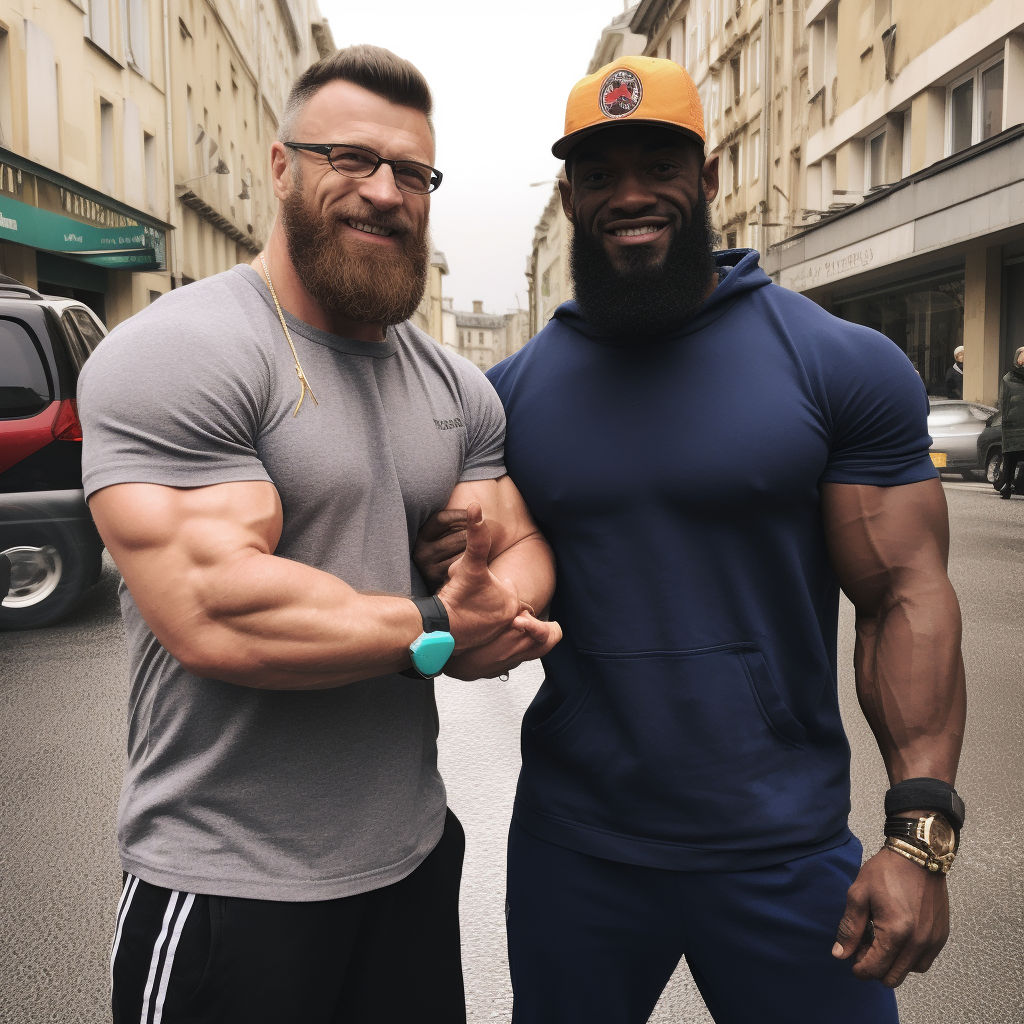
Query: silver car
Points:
[954, 426]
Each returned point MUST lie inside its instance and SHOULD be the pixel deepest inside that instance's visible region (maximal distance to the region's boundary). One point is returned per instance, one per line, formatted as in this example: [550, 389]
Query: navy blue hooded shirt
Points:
[689, 719]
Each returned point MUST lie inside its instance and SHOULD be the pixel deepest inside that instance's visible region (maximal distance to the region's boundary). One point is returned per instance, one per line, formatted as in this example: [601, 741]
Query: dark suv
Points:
[46, 532]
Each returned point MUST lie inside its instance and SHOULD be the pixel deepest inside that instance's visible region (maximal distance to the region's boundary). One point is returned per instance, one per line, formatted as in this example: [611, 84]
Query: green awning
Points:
[48, 211]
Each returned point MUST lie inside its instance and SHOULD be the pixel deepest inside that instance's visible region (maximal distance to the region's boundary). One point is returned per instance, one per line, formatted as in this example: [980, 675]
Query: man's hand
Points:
[527, 639]
[907, 908]
[480, 606]
[440, 542]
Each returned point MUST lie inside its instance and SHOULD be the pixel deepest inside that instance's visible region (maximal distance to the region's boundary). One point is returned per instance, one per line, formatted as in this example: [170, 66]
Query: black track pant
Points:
[1008, 469]
[389, 956]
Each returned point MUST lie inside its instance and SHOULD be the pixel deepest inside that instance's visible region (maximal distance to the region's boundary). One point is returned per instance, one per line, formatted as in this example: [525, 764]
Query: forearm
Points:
[910, 679]
[530, 565]
[272, 623]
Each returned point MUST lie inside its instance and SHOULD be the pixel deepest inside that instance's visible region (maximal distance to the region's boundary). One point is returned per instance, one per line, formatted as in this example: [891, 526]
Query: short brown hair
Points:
[375, 69]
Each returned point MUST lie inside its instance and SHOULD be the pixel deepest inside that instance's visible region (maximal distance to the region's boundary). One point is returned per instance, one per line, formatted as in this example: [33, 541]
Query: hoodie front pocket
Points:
[681, 745]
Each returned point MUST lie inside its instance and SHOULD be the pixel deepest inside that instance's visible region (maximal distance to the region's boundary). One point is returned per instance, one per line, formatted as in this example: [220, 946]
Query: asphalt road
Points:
[62, 709]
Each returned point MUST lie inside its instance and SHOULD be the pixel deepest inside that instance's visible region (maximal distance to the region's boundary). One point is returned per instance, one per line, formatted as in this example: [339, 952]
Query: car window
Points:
[91, 334]
[76, 346]
[24, 382]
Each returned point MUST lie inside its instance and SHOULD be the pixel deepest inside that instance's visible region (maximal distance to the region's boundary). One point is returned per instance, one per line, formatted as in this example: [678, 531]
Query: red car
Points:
[46, 532]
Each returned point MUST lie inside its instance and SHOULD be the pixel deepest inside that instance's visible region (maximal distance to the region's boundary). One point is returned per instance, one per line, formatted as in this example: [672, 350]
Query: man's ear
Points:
[565, 191]
[280, 170]
[709, 175]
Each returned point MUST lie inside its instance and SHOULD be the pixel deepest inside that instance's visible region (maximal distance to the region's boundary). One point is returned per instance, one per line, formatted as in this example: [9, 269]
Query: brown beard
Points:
[372, 285]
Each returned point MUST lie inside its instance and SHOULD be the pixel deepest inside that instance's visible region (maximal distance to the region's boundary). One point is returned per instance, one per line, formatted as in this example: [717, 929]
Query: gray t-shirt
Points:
[284, 795]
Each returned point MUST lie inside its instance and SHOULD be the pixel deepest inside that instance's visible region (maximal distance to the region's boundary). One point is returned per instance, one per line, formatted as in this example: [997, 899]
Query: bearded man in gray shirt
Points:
[260, 451]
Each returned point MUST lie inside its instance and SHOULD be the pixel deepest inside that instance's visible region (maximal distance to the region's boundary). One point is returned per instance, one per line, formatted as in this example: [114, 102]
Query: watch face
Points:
[938, 834]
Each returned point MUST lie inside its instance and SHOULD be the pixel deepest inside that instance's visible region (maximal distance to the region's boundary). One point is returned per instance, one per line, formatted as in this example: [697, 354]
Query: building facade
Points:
[134, 139]
[487, 338]
[429, 316]
[872, 151]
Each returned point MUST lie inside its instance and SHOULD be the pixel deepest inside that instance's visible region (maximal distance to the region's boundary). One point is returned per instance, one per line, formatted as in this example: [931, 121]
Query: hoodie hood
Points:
[739, 273]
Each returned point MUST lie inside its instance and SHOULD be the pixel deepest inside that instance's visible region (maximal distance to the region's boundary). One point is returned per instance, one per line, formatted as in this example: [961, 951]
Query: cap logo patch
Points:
[621, 93]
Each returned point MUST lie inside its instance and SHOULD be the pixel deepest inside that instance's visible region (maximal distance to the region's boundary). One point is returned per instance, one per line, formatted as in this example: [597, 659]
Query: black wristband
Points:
[433, 613]
[926, 795]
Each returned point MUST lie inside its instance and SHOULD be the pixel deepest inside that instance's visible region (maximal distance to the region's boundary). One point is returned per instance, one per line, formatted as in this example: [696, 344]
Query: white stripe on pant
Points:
[131, 883]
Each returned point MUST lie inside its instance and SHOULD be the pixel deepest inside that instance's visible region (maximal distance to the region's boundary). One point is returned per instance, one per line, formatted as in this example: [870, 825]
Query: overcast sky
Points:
[500, 73]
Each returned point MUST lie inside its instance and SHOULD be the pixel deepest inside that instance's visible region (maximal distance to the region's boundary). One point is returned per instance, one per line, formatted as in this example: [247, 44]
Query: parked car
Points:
[955, 427]
[46, 531]
[990, 446]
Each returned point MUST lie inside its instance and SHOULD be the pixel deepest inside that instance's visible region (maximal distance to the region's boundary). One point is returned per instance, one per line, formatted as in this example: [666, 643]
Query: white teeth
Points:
[627, 232]
[369, 228]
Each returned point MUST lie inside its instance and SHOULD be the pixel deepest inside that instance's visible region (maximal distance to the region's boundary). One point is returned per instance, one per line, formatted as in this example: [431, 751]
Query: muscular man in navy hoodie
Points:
[712, 458]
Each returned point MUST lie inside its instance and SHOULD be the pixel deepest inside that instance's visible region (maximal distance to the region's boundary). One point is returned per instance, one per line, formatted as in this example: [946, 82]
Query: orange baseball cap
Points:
[638, 90]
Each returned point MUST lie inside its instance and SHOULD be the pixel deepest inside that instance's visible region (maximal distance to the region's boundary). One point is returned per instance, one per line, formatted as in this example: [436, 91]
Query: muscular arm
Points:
[889, 547]
[200, 564]
[518, 550]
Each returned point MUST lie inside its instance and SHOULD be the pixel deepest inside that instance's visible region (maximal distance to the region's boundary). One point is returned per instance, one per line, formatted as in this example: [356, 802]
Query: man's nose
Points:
[380, 189]
[632, 194]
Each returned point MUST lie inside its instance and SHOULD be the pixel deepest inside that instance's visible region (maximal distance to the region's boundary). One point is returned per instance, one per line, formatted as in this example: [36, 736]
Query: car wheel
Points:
[49, 573]
[993, 465]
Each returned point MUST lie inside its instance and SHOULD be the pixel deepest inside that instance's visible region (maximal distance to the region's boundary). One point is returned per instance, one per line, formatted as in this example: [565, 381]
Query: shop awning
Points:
[46, 210]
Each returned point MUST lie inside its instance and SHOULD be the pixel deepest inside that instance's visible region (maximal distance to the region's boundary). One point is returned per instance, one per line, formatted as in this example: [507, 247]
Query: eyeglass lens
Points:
[360, 163]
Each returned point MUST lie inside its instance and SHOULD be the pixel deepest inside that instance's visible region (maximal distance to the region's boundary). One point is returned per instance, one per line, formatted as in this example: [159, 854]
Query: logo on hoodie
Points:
[621, 93]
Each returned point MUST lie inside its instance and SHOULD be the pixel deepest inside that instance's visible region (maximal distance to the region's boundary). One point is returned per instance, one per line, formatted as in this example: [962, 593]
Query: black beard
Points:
[642, 300]
[371, 286]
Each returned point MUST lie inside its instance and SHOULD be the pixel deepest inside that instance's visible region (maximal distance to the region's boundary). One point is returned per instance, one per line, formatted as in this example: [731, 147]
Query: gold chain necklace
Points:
[291, 344]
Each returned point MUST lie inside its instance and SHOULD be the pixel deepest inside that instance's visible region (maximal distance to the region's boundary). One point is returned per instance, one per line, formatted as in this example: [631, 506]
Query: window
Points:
[754, 64]
[755, 156]
[99, 23]
[149, 155]
[691, 50]
[481, 337]
[737, 84]
[992, 101]
[24, 384]
[730, 240]
[135, 25]
[91, 334]
[5, 91]
[874, 169]
[962, 116]
[734, 162]
[715, 92]
[668, 48]
[823, 52]
[42, 96]
[907, 151]
[107, 147]
[975, 107]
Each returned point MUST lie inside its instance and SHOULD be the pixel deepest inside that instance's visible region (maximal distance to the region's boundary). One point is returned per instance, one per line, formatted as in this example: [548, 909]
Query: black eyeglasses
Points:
[356, 162]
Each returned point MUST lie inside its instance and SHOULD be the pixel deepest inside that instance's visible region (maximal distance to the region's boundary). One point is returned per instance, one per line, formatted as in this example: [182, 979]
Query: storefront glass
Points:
[924, 317]
[1013, 325]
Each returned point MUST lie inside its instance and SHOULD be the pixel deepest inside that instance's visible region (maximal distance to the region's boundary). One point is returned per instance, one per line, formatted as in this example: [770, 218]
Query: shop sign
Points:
[64, 221]
[876, 251]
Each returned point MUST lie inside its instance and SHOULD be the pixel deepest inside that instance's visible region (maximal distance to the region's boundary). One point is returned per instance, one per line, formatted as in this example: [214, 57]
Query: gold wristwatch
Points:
[930, 841]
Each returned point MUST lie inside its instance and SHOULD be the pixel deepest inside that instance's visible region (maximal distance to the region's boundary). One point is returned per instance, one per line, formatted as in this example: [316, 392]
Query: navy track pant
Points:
[594, 941]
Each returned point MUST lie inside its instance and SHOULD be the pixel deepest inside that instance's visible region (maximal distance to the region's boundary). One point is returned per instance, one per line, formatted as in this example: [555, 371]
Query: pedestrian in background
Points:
[955, 377]
[1011, 405]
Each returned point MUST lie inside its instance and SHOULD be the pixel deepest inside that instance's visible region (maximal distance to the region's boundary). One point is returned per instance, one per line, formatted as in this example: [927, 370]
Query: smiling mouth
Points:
[370, 229]
[648, 229]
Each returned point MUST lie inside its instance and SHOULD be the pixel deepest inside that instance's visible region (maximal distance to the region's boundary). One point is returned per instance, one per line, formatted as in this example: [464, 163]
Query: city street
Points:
[62, 711]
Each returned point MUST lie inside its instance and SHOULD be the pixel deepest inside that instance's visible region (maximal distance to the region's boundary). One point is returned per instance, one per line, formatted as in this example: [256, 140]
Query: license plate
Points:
[938, 459]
